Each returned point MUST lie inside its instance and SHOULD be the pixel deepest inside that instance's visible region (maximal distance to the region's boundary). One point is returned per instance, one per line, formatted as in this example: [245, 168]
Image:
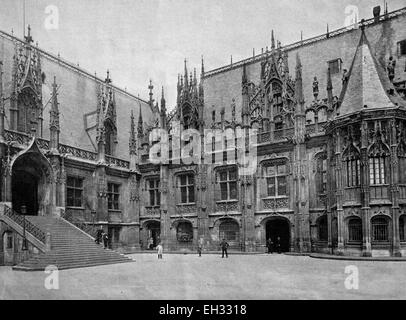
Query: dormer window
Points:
[335, 65]
[402, 48]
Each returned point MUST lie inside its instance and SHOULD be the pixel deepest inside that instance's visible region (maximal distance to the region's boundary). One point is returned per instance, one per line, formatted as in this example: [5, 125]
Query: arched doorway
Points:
[31, 183]
[279, 227]
[153, 229]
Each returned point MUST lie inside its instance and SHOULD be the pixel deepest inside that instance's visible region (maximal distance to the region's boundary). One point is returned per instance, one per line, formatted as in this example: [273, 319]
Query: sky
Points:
[139, 40]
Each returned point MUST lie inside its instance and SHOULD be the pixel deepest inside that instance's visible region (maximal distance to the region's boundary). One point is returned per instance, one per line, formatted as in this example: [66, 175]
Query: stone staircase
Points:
[70, 248]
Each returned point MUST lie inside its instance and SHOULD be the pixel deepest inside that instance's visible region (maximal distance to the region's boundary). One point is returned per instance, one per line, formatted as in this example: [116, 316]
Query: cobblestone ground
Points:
[210, 277]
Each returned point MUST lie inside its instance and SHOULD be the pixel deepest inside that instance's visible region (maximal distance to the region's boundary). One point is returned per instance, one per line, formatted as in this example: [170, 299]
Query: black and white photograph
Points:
[196, 150]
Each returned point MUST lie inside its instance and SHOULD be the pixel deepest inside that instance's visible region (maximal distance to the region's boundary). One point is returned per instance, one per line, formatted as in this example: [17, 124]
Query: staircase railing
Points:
[29, 227]
[85, 227]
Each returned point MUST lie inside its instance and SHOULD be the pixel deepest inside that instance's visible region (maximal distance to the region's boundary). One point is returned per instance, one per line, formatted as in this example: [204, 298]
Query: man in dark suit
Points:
[224, 246]
[269, 245]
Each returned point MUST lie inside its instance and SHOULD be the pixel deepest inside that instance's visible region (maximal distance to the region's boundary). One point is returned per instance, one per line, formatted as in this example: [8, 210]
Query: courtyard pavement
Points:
[246, 277]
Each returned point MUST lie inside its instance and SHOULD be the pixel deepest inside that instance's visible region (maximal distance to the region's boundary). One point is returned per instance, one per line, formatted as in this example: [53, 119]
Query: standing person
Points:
[269, 244]
[105, 240]
[151, 244]
[200, 247]
[99, 235]
[160, 249]
[224, 246]
[278, 244]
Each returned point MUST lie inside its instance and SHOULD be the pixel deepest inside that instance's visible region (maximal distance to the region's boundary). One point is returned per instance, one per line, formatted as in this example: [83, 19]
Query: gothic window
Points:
[113, 196]
[276, 176]
[322, 228]
[402, 48]
[213, 116]
[110, 139]
[229, 230]
[354, 229]
[275, 97]
[353, 172]
[380, 229]
[28, 111]
[402, 227]
[228, 184]
[187, 188]
[321, 175]
[184, 232]
[377, 172]
[74, 191]
[153, 191]
[335, 65]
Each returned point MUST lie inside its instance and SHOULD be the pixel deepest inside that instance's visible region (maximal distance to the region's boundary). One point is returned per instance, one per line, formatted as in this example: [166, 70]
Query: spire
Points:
[151, 87]
[163, 110]
[186, 75]
[28, 37]
[245, 102]
[194, 77]
[163, 102]
[202, 68]
[133, 140]
[298, 82]
[108, 80]
[272, 40]
[140, 128]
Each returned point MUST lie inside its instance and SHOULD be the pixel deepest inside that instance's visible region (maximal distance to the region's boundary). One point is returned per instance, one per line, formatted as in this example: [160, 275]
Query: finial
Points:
[301, 36]
[231, 60]
[328, 31]
[108, 80]
[253, 52]
[202, 70]
[272, 40]
[28, 38]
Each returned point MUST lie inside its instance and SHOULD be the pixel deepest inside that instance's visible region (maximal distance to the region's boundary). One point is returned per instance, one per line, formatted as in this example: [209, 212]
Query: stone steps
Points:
[70, 248]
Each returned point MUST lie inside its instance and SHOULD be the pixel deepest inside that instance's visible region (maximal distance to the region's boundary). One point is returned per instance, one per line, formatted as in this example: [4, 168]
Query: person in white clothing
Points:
[160, 250]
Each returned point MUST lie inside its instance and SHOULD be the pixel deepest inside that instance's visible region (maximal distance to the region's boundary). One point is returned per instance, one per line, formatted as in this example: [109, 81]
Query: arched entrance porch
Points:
[32, 182]
[278, 227]
[151, 234]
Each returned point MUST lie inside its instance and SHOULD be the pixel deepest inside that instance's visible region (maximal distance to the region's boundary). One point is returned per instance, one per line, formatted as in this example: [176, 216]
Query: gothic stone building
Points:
[330, 120]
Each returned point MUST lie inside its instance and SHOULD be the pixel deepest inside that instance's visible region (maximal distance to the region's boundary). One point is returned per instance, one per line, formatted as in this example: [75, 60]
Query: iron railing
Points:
[29, 227]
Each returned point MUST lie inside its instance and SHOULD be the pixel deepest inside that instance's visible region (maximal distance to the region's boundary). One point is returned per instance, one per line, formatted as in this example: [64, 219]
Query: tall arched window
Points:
[380, 228]
[377, 171]
[322, 228]
[110, 138]
[321, 174]
[276, 179]
[229, 230]
[354, 230]
[352, 166]
[378, 163]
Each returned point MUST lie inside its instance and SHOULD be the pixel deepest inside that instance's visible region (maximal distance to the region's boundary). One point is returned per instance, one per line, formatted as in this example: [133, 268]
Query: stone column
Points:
[165, 216]
[365, 195]
[394, 188]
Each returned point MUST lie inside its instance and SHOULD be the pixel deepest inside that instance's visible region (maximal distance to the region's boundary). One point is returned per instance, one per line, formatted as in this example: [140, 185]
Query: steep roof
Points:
[368, 85]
